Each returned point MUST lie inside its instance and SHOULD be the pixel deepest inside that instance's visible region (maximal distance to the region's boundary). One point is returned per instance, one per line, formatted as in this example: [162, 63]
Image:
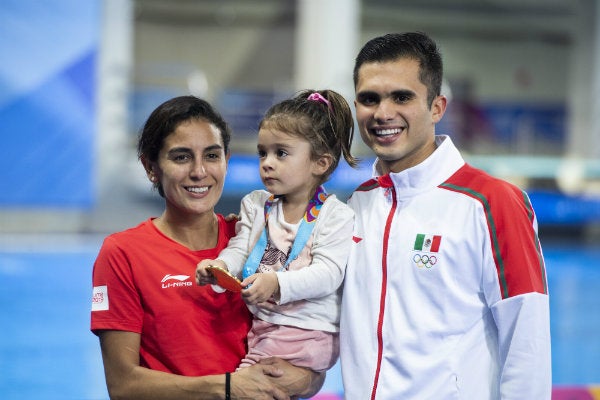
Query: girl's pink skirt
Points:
[317, 350]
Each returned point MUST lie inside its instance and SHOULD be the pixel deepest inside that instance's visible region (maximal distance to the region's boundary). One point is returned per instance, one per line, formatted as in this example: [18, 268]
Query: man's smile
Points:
[381, 132]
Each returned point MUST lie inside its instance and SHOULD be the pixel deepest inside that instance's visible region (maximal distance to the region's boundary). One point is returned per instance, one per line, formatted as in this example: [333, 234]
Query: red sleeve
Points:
[115, 302]
[511, 225]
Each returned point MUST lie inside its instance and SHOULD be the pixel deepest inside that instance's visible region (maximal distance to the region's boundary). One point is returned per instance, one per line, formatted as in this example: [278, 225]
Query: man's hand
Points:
[232, 217]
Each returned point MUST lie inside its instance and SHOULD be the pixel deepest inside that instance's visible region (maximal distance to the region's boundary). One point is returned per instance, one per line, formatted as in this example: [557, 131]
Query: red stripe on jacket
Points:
[509, 217]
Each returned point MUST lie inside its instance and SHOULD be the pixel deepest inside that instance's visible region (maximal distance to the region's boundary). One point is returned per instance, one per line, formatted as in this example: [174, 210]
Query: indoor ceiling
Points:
[546, 20]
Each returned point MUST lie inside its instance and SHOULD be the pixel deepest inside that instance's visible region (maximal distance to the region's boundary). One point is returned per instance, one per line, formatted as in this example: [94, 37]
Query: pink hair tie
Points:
[317, 97]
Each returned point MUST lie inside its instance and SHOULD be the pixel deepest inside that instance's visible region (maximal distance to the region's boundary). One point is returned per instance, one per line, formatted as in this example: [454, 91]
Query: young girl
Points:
[292, 242]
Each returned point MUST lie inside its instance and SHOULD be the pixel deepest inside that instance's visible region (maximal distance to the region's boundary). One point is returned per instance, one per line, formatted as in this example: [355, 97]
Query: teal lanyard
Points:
[304, 231]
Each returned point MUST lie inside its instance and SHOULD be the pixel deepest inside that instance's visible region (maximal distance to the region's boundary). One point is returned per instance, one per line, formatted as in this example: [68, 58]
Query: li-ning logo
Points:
[424, 260]
[181, 280]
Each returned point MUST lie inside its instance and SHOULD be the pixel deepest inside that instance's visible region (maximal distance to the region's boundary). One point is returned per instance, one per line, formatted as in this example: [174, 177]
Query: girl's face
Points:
[191, 168]
[286, 166]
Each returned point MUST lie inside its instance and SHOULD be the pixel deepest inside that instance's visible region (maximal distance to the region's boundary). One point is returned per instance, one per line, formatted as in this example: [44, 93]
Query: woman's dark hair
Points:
[165, 119]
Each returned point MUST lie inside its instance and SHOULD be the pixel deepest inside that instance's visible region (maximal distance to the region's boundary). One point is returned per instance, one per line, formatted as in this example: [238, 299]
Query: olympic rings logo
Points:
[423, 260]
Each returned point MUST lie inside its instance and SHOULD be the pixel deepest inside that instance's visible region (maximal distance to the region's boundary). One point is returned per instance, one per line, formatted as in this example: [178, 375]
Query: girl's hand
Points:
[263, 286]
[203, 276]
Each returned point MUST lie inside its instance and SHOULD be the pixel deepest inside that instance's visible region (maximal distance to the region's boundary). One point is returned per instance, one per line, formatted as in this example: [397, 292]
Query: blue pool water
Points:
[47, 351]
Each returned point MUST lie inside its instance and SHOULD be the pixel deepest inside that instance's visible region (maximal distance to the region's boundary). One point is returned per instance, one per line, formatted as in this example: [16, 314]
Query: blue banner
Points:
[47, 108]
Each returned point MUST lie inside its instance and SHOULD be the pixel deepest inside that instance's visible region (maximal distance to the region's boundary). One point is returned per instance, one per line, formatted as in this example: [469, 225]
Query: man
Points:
[445, 294]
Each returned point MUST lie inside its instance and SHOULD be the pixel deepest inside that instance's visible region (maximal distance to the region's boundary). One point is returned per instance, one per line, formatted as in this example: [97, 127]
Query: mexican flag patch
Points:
[425, 242]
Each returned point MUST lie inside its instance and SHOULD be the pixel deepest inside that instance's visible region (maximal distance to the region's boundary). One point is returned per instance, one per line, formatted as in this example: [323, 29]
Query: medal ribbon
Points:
[304, 231]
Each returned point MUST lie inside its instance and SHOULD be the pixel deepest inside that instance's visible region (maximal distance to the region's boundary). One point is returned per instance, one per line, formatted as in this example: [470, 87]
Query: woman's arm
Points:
[126, 379]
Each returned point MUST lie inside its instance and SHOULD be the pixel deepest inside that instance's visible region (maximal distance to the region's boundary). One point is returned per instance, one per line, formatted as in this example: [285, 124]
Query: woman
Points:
[162, 336]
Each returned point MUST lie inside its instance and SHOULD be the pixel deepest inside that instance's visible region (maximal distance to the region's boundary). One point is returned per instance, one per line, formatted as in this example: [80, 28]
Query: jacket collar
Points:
[433, 171]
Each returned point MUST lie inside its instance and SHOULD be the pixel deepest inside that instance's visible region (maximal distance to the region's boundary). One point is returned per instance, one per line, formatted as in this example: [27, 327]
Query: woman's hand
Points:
[297, 381]
[126, 379]
[255, 382]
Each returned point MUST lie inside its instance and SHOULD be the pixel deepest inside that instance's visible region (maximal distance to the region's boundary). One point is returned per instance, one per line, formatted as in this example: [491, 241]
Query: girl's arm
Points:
[251, 221]
[330, 250]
